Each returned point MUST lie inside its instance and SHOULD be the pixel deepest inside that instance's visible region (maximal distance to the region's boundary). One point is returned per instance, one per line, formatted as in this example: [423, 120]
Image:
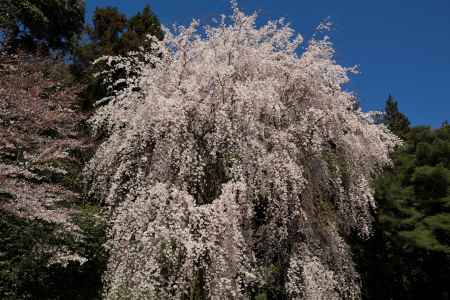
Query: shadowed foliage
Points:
[41, 24]
[409, 255]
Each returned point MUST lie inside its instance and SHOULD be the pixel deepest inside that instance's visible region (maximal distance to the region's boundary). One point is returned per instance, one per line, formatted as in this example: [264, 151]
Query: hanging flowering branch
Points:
[228, 153]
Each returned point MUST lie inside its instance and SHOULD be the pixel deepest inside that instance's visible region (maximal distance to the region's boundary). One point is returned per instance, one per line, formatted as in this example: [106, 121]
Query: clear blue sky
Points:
[402, 47]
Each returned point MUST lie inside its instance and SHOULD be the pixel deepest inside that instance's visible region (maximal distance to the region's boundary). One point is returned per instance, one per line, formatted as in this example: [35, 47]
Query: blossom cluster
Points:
[214, 154]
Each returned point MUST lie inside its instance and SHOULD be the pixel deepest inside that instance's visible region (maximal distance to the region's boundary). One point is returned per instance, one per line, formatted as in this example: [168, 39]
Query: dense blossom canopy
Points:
[231, 154]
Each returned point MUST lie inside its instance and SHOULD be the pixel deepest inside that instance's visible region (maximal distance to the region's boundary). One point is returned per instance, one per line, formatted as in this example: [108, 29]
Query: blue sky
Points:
[402, 47]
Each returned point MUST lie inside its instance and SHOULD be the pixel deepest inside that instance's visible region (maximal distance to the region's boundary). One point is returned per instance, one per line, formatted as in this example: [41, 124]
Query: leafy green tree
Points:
[409, 255]
[41, 24]
[397, 122]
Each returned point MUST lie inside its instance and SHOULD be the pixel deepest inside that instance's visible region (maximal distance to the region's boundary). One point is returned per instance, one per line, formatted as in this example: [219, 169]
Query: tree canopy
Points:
[113, 34]
[234, 168]
[415, 196]
[41, 24]
[397, 122]
[231, 164]
[409, 255]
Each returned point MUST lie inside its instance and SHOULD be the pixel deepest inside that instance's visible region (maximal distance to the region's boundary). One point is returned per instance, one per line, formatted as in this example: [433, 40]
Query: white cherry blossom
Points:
[230, 150]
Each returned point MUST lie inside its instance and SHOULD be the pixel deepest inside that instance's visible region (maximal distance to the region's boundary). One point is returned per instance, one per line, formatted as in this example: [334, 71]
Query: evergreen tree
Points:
[112, 34]
[41, 24]
[409, 255]
[138, 27]
[397, 122]
[104, 36]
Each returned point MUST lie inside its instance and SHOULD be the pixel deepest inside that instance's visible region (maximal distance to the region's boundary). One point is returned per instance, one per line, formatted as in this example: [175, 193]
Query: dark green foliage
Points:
[409, 255]
[109, 23]
[7, 22]
[392, 270]
[93, 229]
[397, 122]
[41, 24]
[104, 36]
[112, 34]
[138, 27]
[25, 250]
[274, 287]
[103, 39]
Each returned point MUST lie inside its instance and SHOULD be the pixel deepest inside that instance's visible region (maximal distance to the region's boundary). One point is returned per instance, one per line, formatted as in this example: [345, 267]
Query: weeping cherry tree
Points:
[235, 165]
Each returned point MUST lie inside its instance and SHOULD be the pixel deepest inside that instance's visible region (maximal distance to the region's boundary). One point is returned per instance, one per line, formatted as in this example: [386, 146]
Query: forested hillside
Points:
[226, 161]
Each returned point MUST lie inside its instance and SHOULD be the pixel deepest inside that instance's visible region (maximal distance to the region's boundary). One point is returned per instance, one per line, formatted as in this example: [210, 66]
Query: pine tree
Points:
[138, 27]
[409, 255]
[397, 122]
[109, 25]
[112, 34]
